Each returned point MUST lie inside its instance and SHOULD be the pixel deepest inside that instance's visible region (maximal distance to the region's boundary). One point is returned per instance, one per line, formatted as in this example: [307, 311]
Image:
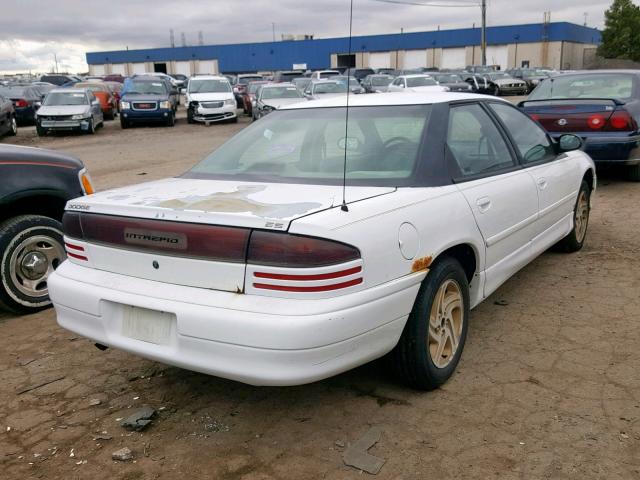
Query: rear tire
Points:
[433, 338]
[31, 249]
[575, 240]
[633, 173]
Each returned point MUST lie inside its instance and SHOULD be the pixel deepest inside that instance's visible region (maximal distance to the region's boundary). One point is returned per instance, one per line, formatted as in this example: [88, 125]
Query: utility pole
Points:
[172, 39]
[483, 35]
[55, 57]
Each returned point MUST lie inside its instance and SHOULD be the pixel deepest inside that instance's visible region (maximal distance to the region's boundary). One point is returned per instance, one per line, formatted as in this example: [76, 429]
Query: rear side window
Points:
[475, 142]
[531, 141]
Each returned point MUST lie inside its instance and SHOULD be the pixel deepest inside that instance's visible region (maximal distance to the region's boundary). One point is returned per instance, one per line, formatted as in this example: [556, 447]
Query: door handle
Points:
[542, 183]
[483, 203]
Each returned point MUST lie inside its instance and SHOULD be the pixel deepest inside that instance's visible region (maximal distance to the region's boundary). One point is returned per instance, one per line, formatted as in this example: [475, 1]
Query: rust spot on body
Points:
[420, 264]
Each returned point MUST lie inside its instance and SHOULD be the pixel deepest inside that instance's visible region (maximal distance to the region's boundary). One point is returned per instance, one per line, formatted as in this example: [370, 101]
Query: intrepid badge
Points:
[148, 238]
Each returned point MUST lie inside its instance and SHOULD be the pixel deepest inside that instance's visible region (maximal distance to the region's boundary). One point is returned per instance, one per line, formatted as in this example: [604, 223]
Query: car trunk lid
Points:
[571, 115]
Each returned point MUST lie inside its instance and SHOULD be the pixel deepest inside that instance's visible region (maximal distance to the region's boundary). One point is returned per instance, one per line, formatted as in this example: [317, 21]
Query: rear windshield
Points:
[280, 92]
[64, 98]
[209, 86]
[308, 146]
[601, 85]
[420, 82]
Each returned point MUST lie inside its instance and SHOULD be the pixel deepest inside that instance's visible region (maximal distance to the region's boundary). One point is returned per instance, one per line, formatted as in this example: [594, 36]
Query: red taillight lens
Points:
[21, 103]
[297, 251]
[596, 122]
[534, 117]
[621, 120]
[71, 225]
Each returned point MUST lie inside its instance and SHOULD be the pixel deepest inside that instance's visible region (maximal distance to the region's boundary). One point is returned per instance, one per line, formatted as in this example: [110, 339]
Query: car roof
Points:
[391, 99]
[69, 90]
[209, 77]
[417, 75]
[279, 84]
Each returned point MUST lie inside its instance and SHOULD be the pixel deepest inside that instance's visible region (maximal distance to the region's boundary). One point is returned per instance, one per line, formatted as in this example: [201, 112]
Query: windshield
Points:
[280, 92]
[308, 146]
[451, 78]
[209, 86]
[420, 82]
[146, 88]
[92, 86]
[66, 98]
[381, 81]
[602, 85]
[329, 88]
[246, 80]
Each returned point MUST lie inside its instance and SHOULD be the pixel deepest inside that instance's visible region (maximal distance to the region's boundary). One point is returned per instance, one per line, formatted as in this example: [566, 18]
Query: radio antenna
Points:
[344, 206]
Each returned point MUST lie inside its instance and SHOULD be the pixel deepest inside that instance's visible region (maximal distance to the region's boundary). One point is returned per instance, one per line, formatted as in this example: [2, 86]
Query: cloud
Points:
[34, 30]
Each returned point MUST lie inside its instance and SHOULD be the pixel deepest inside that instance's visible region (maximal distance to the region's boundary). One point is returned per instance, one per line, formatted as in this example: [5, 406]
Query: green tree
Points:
[621, 34]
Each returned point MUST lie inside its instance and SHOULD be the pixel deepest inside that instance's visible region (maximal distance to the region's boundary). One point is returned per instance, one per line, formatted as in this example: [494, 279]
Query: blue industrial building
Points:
[323, 53]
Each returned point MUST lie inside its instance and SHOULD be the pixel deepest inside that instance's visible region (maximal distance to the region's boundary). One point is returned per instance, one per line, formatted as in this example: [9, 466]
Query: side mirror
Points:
[569, 142]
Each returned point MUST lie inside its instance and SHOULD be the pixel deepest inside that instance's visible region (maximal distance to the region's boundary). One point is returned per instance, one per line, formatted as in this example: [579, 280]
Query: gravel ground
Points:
[548, 385]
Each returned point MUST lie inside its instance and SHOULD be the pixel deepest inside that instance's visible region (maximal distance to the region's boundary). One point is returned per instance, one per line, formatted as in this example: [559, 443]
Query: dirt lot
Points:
[548, 385]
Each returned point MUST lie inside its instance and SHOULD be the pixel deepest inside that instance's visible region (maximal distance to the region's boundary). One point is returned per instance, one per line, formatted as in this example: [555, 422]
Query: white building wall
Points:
[183, 68]
[207, 66]
[118, 69]
[380, 60]
[138, 68]
[96, 69]
[415, 59]
[498, 55]
[453, 58]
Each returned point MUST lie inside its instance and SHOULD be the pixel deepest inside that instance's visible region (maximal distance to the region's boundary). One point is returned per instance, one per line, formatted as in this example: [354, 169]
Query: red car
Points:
[103, 93]
[249, 95]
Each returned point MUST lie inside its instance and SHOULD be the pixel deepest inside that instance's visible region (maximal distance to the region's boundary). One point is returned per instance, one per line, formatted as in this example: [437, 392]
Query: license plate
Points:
[147, 325]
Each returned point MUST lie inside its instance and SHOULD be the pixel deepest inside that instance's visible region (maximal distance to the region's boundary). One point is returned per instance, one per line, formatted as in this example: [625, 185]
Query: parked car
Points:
[479, 69]
[324, 74]
[115, 88]
[287, 76]
[26, 101]
[210, 98]
[273, 96]
[180, 80]
[35, 186]
[501, 83]
[325, 89]
[453, 82]
[249, 96]
[479, 83]
[377, 83]
[354, 84]
[415, 83]
[69, 109]
[529, 75]
[8, 122]
[240, 86]
[359, 73]
[146, 99]
[170, 83]
[103, 93]
[602, 107]
[113, 78]
[58, 79]
[311, 275]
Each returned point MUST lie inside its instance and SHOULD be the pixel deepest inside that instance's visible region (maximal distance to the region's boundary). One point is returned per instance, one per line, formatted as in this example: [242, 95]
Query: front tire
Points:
[40, 131]
[171, 121]
[433, 338]
[92, 127]
[633, 173]
[575, 240]
[32, 248]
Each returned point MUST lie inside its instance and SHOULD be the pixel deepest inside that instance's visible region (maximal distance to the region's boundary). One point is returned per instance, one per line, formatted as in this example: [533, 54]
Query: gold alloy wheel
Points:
[581, 216]
[445, 323]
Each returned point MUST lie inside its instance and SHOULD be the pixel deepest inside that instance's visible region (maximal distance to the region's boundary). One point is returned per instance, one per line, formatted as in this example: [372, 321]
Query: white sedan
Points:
[259, 266]
[416, 84]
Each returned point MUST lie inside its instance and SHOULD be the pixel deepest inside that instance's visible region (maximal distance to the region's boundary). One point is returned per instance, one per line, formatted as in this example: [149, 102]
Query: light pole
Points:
[483, 9]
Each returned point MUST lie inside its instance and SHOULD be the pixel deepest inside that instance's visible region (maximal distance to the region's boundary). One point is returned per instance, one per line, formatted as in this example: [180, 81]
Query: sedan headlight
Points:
[166, 104]
[125, 105]
[79, 116]
[230, 101]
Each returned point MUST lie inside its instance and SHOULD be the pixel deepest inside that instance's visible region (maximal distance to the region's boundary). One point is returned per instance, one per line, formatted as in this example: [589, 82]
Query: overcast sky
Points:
[32, 31]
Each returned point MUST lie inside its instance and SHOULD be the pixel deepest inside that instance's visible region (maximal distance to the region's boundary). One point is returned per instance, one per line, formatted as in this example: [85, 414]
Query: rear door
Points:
[501, 195]
[556, 176]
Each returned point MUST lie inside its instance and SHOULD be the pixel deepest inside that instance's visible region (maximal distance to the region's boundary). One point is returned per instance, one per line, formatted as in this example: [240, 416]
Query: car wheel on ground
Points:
[190, 116]
[496, 91]
[434, 336]
[171, 121]
[123, 123]
[32, 248]
[574, 241]
[92, 127]
[40, 130]
[111, 115]
[13, 127]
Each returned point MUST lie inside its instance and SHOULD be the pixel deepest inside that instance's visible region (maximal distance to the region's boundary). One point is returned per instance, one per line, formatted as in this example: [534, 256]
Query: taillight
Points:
[534, 117]
[297, 251]
[621, 120]
[71, 226]
[596, 122]
[21, 103]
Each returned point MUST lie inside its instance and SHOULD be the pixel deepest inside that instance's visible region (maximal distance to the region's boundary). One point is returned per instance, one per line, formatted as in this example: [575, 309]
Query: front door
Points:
[501, 195]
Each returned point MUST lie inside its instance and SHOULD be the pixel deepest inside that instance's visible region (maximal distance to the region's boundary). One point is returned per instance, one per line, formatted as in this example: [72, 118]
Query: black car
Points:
[453, 81]
[287, 76]
[602, 107]
[8, 123]
[58, 79]
[359, 73]
[36, 185]
[26, 101]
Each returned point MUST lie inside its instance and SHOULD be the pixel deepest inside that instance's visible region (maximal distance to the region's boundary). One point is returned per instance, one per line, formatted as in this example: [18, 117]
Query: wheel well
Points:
[465, 254]
[45, 205]
[588, 177]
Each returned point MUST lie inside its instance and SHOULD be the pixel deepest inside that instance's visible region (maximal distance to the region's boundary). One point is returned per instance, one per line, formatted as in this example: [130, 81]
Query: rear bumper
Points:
[248, 338]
